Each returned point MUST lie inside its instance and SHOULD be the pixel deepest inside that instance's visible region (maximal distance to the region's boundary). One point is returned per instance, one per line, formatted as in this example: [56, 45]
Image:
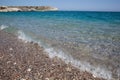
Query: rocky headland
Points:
[26, 8]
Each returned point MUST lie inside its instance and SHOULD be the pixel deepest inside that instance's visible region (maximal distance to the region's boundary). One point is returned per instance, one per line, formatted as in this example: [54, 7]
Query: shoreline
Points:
[19, 63]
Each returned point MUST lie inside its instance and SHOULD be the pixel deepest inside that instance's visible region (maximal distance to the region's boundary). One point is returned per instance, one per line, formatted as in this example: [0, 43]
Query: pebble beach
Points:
[29, 61]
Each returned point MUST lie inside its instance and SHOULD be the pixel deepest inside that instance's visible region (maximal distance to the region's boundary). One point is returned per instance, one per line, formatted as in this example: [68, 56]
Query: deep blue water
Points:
[92, 37]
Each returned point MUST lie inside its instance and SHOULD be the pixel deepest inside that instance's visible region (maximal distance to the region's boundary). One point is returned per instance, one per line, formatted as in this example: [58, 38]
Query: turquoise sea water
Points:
[89, 40]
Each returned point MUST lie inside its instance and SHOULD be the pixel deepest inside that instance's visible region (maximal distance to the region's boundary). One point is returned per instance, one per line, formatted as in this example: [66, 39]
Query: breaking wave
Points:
[85, 66]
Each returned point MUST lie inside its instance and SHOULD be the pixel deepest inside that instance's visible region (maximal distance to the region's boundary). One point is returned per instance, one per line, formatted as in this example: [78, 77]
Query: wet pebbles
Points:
[29, 61]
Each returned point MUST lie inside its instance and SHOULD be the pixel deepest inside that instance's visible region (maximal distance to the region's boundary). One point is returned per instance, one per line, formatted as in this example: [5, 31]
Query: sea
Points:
[88, 40]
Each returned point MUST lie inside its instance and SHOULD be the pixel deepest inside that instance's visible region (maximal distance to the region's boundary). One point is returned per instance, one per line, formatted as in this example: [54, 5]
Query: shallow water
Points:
[90, 40]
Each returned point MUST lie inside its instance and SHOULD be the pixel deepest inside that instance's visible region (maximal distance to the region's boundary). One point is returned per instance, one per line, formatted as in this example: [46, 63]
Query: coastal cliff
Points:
[26, 8]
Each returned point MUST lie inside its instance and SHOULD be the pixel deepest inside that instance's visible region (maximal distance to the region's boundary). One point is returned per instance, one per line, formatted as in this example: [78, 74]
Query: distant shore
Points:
[29, 61]
[26, 8]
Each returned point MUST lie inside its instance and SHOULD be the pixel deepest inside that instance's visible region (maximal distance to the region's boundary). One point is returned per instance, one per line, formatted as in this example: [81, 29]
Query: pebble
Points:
[47, 79]
[8, 62]
[1, 57]
[68, 69]
[51, 78]
[10, 49]
[53, 64]
[41, 76]
[29, 69]
[94, 76]
[22, 79]
[14, 63]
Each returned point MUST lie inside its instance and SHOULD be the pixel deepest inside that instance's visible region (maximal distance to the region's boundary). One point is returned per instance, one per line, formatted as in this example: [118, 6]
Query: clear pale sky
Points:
[89, 5]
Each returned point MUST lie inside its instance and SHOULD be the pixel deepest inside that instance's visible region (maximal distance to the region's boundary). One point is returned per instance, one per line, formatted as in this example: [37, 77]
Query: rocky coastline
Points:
[26, 8]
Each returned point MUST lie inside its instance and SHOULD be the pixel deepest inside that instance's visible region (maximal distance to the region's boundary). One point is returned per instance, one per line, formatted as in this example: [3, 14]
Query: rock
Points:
[51, 78]
[14, 63]
[68, 69]
[31, 42]
[10, 49]
[3, 7]
[22, 79]
[36, 44]
[26, 8]
[53, 64]
[8, 62]
[94, 76]
[41, 76]
[29, 69]
[47, 79]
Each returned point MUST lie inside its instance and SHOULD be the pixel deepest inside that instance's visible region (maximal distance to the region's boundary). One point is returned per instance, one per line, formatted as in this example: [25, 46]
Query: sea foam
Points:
[84, 66]
[3, 27]
[22, 36]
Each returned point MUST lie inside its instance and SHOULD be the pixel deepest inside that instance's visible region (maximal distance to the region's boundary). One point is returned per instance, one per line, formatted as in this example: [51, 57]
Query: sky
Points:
[82, 5]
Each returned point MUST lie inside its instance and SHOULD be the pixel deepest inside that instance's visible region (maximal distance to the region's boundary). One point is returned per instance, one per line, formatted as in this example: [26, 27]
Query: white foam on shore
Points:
[22, 36]
[85, 66]
[3, 27]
